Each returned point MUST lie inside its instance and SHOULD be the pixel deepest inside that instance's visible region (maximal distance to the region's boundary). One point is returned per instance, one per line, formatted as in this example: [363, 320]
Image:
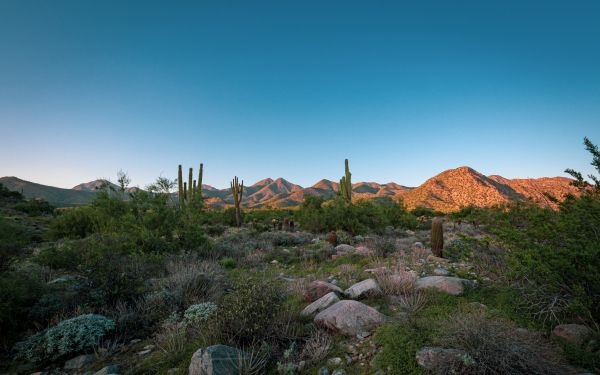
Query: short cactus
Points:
[437, 236]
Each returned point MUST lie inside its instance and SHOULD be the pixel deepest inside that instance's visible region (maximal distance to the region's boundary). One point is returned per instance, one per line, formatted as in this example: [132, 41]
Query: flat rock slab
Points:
[318, 289]
[365, 288]
[433, 358]
[447, 284]
[575, 333]
[320, 304]
[216, 360]
[349, 318]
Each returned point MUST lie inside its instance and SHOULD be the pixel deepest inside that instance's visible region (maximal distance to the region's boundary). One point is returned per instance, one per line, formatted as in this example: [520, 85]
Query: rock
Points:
[364, 251]
[358, 238]
[108, 370]
[349, 318]
[79, 362]
[365, 288]
[323, 371]
[318, 289]
[135, 341]
[274, 261]
[434, 259]
[344, 249]
[418, 245]
[149, 347]
[339, 371]
[441, 272]
[320, 304]
[335, 361]
[145, 351]
[574, 333]
[215, 360]
[432, 358]
[410, 232]
[447, 284]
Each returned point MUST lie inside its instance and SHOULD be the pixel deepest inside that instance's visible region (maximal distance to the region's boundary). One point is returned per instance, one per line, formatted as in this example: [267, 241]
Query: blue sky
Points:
[290, 89]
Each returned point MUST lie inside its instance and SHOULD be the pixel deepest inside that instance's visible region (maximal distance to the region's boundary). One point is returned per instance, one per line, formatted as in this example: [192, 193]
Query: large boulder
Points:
[349, 318]
[216, 360]
[365, 288]
[318, 289]
[320, 304]
[434, 358]
[447, 284]
[108, 370]
[574, 333]
[79, 362]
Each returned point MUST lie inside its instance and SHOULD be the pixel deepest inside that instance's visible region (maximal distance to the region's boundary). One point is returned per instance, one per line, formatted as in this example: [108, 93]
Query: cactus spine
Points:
[237, 190]
[180, 183]
[346, 184]
[437, 236]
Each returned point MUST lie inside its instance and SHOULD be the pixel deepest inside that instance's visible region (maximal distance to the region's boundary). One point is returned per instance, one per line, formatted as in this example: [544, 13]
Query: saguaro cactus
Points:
[199, 187]
[437, 236]
[237, 190]
[189, 195]
[346, 184]
[180, 183]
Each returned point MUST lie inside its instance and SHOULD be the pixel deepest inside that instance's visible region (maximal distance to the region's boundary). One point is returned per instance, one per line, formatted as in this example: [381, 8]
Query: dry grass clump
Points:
[316, 347]
[497, 347]
[399, 283]
[190, 280]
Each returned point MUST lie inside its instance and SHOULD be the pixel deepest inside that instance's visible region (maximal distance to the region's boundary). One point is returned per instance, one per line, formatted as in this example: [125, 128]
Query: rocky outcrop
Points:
[320, 304]
[349, 318]
[365, 288]
[447, 284]
[574, 333]
[216, 360]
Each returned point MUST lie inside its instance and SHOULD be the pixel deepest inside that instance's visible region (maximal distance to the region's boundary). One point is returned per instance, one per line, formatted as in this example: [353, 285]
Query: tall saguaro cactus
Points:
[180, 183]
[190, 194]
[346, 184]
[199, 187]
[237, 190]
[437, 237]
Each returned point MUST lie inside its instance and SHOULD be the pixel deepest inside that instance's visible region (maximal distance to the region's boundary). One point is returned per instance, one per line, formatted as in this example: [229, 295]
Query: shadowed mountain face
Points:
[448, 191]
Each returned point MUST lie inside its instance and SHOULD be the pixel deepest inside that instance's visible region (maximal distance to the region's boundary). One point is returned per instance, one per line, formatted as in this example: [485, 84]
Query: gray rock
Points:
[432, 358]
[320, 304]
[365, 288]
[335, 361]
[216, 360]
[339, 371]
[349, 318]
[79, 362]
[447, 284]
[323, 371]
[108, 370]
[318, 289]
[344, 249]
[441, 272]
[574, 333]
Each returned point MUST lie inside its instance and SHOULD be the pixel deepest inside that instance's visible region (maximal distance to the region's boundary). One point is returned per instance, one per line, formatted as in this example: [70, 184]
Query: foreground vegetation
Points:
[144, 283]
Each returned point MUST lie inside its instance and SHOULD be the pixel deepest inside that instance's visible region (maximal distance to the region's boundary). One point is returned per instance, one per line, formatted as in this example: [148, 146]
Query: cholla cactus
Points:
[437, 236]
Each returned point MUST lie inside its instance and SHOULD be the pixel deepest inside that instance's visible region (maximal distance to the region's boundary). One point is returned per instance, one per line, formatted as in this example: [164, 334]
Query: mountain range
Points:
[446, 192]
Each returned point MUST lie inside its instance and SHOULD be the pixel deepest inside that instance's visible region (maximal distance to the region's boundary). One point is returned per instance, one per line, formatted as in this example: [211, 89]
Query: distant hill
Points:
[446, 192]
[55, 196]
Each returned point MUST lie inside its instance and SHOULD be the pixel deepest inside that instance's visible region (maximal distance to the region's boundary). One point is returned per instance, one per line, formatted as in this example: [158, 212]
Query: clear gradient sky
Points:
[291, 88]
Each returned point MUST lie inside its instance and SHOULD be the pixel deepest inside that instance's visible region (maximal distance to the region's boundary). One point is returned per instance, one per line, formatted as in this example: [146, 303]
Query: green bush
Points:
[13, 238]
[75, 223]
[199, 312]
[34, 207]
[66, 338]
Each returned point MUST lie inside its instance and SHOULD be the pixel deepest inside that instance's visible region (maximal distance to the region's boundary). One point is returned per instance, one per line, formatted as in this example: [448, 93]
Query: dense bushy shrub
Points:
[34, 207]
[13, 238]
[66, 338]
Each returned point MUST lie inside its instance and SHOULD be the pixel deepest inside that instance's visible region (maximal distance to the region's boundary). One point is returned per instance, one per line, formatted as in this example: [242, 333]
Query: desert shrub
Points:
[199, 312]
[66, 338]
[13, 238]
[426, 212]
[383, 246]
[247, 314]
[191, 280]
[316, 347]
[215, 229]
[75, 223]
[281, 238]
[459, 249]
[228, 263]
[34, 207]
[497, 347]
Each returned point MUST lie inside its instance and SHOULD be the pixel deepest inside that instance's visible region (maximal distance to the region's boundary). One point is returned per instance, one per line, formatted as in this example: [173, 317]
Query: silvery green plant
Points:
[199, 312]
[68, 337]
